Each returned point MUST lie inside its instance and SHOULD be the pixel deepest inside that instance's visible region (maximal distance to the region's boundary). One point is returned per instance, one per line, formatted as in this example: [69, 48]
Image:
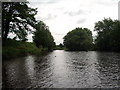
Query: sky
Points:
[63, 16]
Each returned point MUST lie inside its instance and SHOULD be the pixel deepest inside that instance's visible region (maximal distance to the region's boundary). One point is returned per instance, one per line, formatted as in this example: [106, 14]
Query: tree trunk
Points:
[6, 29]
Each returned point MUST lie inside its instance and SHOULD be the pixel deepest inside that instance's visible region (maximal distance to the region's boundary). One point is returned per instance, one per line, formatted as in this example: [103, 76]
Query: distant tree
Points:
[78, 39]
[42, 36]
[108, 35]
[17, 18]
[61, 45]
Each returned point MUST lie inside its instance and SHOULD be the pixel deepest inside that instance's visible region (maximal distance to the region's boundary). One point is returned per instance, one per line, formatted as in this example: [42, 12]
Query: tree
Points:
[17, 17]
[108, 35]
[61, 45]
[78, 39]
[42, 36]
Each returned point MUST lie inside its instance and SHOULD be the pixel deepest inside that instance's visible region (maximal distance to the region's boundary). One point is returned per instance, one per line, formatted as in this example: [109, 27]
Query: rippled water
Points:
[63, 69]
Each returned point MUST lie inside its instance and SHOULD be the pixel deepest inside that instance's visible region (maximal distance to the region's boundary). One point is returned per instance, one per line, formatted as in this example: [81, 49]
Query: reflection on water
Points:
[62, 69]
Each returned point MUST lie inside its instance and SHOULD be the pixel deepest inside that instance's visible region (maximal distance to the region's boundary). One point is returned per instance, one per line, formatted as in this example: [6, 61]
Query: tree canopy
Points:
[78, 39]
[17, 18]
[108, 35]
[42, 36]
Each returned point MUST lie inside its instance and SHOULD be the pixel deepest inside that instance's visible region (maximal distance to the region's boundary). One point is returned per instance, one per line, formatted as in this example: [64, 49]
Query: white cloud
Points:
[81, 21]
[73, 13]
[63, 16]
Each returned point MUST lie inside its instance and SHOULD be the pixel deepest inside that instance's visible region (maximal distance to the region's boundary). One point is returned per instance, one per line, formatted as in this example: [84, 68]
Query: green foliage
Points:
[59, 47]
[42, 36]
[13, 49]
[78, 39]
[108, 35]
[17, 18]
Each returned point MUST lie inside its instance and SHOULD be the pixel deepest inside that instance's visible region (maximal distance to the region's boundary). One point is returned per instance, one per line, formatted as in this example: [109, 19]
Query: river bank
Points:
[13, 49]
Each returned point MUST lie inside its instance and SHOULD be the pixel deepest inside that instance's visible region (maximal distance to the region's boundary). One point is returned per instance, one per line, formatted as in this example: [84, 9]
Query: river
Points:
[63, 69]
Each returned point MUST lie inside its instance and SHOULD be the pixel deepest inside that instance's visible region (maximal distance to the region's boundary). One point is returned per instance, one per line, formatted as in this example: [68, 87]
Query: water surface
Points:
[63, 69]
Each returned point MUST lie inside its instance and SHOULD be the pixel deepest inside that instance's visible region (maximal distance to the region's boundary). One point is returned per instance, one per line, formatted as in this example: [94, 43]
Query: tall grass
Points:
[13, 49]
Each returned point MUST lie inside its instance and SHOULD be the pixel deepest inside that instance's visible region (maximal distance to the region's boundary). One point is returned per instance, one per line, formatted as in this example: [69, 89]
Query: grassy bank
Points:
[14, 49]
[58, 48]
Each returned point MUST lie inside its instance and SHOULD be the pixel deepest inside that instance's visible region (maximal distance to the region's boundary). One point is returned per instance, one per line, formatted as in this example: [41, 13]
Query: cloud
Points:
[64, 15]
[49, 16]
[53, 1]
[73, 13]
[61, 34]
[105, 2]
[44, 1]
[81, 21]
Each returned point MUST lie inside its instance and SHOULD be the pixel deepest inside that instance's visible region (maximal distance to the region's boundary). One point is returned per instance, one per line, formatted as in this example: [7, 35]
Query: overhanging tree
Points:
[17, 18]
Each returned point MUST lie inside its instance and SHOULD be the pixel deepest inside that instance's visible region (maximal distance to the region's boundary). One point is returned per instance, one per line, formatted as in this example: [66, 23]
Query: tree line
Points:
[107, 38]
[18, 18]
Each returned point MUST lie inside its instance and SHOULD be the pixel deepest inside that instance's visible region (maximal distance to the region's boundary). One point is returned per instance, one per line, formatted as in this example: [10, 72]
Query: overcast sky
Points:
[63, 16]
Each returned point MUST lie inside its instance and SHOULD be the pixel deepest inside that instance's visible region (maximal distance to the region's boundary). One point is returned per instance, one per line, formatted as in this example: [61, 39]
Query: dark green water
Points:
[63, 69]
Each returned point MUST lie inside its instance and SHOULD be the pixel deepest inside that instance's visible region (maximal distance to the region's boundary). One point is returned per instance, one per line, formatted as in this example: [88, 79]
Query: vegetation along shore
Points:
[22, 22]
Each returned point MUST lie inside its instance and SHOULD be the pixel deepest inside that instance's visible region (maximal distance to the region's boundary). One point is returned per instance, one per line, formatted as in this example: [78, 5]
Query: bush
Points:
[13, 48]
